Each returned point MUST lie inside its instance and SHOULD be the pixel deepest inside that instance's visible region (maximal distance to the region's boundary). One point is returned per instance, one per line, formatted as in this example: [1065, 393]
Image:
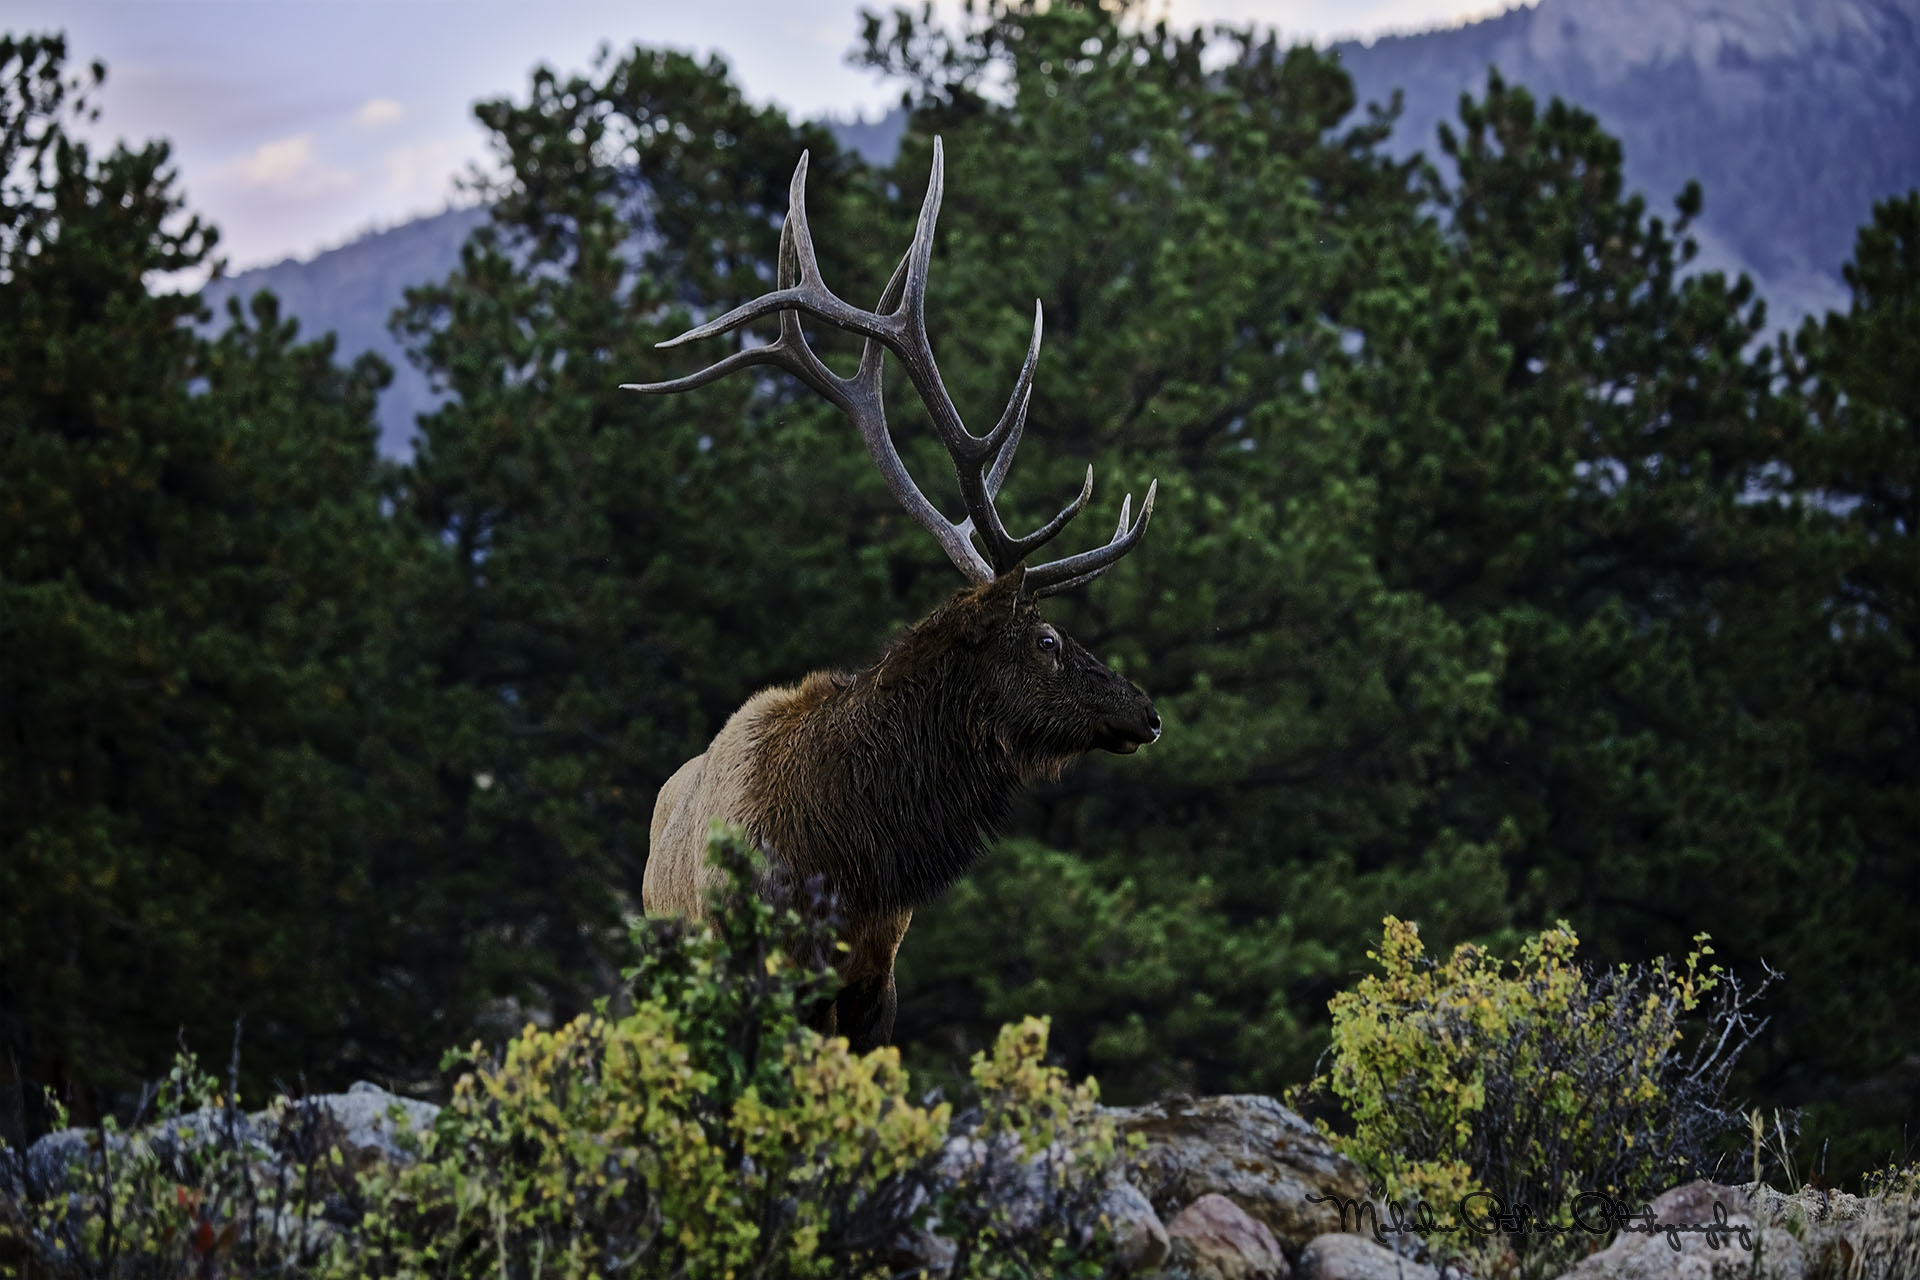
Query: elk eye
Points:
[1048, 642]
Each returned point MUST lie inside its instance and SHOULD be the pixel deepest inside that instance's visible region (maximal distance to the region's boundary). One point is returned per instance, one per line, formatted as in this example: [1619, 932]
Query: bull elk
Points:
[886, 782]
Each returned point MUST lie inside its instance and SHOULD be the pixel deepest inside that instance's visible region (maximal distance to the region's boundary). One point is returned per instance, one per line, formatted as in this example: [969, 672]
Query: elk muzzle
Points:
[1132, 727]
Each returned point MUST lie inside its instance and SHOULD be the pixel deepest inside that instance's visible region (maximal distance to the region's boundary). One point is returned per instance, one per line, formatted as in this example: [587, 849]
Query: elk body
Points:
[885, 783]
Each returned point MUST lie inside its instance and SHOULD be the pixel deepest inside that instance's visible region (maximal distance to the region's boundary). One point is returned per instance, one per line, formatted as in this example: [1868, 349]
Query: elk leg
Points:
[864, 1011]
[821, 1016]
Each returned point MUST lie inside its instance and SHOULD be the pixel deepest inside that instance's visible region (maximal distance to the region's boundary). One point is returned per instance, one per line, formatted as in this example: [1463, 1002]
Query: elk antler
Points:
[898, 324]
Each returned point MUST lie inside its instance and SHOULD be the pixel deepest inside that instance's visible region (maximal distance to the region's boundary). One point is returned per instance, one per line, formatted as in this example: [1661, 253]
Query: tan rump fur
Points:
[712, 785]
[715, 785]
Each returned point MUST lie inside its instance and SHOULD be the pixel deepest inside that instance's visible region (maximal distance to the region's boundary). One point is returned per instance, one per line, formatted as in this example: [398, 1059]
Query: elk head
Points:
[1032, 691]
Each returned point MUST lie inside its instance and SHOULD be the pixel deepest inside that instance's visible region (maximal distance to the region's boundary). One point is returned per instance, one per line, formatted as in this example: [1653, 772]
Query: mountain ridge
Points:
[350, 291]
[1793, 114]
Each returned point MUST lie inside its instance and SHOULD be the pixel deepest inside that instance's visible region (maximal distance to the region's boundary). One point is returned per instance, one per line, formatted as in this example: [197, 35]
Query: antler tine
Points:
[809, 294]
[789, 351]
[795, 258]
[716, 371]
[1076, 570]
[872, 351]
[1005, 438]
[1045, 533]
[870, 418]
[801, 242]
[920, 255]
[1006, 433]
[1004, 459]
[910, 342]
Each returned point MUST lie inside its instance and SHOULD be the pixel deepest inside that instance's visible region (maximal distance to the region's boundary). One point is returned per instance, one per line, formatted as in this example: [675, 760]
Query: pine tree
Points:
[1856, 470]
[1591, 457]
[192, 573]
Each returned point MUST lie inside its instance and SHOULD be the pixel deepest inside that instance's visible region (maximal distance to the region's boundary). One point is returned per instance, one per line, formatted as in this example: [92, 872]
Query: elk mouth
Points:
[1125, 739]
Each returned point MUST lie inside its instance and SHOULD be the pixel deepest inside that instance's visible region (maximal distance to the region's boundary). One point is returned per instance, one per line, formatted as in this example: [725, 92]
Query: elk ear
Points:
[996, 604]
[1010, 586]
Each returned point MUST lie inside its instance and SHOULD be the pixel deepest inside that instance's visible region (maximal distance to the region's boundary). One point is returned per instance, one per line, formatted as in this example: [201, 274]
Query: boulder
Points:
[1843, 1234]
[1214, 1239]
[1028, 1192]
[1711, 1227]
[1249, 1149]
[923, 1255]
[366, 1123]
[1809, 1232]
[1349, 1257]
[41, 1170]
[1026, 1189]
[372, 1126]
[1140, 1241]
[1807, 1207]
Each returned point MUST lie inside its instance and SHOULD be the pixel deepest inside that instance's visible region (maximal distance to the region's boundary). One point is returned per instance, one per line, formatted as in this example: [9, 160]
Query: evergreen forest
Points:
[1505, 570]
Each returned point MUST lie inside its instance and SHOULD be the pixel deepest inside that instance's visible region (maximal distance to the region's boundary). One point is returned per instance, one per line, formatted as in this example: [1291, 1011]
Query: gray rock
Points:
[41, 1170]
[208, 1127]
[44, 1169]
[367, 1124]
[922, 1254]
[1140, 1241]
[999, 1172]
[1028, 1194]
[1348, 1257]
[1248, 1148]
[374, 1125]
[1214, 1239]
[1806, 1207]
[1842, 1234]
[1650, 1254]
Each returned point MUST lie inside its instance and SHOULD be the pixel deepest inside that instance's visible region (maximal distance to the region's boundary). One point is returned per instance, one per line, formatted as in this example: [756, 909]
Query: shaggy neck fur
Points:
[887, 783]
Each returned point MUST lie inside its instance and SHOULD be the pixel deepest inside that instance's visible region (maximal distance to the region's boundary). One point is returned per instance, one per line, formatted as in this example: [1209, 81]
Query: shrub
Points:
[603, 1145]
[704, 1132]
[710, 1132]
[1536, 1082]
[1889, 1244]
[195, 1189]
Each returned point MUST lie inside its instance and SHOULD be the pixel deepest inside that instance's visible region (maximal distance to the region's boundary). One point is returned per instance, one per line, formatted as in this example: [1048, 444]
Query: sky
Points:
[300, 124]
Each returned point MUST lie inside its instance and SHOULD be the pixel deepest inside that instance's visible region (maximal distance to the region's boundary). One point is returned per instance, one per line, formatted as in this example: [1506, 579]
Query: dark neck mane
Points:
[886, 783]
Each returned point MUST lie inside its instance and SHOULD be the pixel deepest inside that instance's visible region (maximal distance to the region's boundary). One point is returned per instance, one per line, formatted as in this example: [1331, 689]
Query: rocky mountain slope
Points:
[352, 291]
[1795, 115]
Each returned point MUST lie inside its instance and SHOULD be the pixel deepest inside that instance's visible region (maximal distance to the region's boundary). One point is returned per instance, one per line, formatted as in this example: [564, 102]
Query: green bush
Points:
[1538, 1082]
[708, 1132]
[194, 1189]
[704, 1132]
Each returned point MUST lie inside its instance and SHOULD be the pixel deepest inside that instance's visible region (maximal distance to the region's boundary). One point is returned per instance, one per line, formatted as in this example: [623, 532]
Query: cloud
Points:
[1324, 20]
[287, 166]
[422, 173]
[378, 111]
